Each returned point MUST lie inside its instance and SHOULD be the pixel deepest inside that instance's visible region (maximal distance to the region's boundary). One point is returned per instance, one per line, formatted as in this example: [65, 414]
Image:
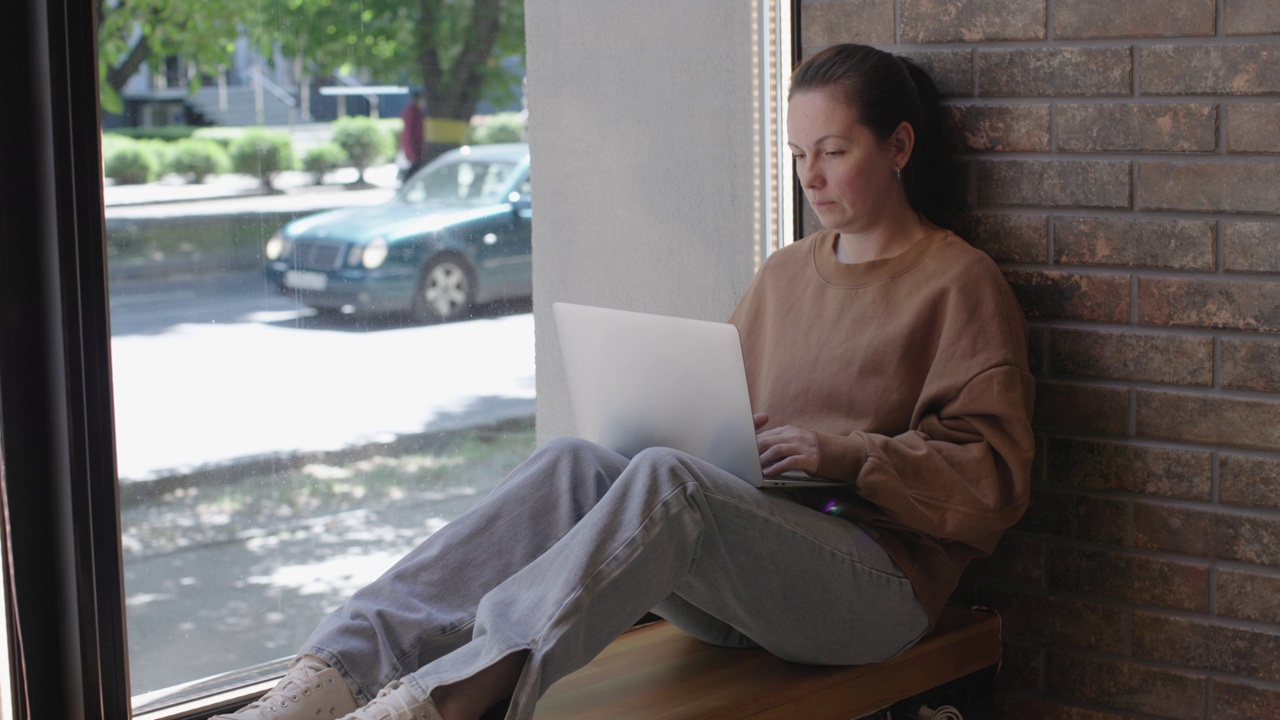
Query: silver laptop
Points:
[638, 381]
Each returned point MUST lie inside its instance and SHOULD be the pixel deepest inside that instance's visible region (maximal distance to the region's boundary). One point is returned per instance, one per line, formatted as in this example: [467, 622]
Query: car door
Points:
[504, 252]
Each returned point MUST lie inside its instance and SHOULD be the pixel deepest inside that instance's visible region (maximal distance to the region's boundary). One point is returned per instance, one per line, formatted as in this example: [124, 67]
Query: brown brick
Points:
[1236, 305]
[1077, 517]
[1127, 686]
[1037, 618]
[1082, 19]
[1209, 70]
[1005, 128]
[1168, 359]
[1092, 72]
[1209, 419]
[1235, 701]
[1072, 296]
[1249, 595]
[1054, 183]
[869, 22]
[1007, 238]
[951, 70]
[1021, 667]
[1031, 708]
[1209, 186]
[1076, 407]
[1250, 481]
[1250, 364]
[1251, 539]
[1177, 244]
[1252, 17]
[1183, 474]
[1037, 348]
[925, 21]
[1249, 653]
[1130, 578]
[1018, 559]
[1111, 127]
[1251, 127]
[1251, 247]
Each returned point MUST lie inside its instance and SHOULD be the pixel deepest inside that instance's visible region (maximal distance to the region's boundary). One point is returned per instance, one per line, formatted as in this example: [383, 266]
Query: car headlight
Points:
[277, 247]
[375, 253]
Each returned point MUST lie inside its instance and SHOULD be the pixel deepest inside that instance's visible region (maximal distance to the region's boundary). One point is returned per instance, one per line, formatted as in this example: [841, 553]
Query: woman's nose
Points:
[808, 174]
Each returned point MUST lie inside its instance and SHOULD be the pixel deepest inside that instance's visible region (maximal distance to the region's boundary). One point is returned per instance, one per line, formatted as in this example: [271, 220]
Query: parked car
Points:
[457, 234]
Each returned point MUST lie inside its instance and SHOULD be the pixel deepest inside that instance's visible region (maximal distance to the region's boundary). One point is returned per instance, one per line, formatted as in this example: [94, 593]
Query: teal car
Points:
[456, 235]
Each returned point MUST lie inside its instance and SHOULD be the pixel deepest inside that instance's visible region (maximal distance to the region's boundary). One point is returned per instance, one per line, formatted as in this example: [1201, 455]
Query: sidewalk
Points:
[292, 186]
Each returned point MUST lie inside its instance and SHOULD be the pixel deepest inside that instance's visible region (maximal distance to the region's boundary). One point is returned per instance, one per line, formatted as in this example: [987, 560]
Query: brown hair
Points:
[885, 91]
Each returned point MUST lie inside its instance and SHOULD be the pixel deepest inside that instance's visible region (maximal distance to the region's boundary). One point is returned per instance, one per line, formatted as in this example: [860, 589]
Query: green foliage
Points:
[262, 154]
[363, 140]
[499, 128]
[323, 158]
[224, 136]
[131, 32]
[128, 162]
[168, 133]
[449, 47]
[159, 150]
[198, 158]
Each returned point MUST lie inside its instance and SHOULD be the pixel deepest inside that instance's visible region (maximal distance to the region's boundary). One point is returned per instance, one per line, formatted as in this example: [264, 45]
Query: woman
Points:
[885, 352]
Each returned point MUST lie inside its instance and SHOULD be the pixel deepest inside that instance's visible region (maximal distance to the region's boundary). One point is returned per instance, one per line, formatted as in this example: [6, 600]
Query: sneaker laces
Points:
[301, 680]
[396, 701]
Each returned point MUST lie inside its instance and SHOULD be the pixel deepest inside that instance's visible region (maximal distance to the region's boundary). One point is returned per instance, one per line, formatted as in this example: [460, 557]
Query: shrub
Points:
[363, 140]
[499, 128]
[323, 158]
[128, 162]
[262, 154]
[168, 133]
[224, 136]
[197, 159]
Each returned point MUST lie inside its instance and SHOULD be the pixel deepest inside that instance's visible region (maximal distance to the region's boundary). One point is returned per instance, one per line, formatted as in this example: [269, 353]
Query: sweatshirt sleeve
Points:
[962, 473]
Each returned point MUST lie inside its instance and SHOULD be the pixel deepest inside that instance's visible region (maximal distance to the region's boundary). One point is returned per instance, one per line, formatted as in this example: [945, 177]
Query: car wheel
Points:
[445, 291]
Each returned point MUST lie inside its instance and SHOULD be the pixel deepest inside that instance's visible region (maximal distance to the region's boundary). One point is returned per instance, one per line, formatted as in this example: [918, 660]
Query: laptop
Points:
[638, 380]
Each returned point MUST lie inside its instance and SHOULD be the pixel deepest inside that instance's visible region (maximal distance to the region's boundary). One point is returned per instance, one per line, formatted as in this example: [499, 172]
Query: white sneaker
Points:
[311, 691]
[397, 702]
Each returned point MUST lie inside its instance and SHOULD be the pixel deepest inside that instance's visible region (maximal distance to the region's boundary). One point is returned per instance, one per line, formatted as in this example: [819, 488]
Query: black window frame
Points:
[61, 536]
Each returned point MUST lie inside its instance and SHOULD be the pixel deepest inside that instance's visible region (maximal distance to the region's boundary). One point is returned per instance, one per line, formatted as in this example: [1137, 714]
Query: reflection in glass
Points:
[275, 452]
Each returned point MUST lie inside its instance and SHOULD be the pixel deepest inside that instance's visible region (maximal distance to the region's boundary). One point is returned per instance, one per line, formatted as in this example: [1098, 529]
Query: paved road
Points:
[212, 371]
[217, 370]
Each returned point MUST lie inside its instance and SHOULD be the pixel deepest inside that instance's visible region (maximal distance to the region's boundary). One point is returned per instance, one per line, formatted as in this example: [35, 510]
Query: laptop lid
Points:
[638, 380]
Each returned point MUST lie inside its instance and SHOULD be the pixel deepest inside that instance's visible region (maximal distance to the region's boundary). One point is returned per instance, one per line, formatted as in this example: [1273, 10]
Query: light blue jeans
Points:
[578, 543]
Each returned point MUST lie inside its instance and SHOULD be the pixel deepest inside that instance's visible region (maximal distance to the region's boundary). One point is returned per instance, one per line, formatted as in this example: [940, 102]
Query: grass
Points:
[451, 474]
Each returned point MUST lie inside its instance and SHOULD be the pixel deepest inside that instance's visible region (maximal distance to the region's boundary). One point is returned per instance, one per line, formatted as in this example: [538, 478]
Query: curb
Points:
[138, 491]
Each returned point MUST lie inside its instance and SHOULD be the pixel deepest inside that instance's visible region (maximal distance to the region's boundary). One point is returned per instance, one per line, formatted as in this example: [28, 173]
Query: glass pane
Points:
[319, 357]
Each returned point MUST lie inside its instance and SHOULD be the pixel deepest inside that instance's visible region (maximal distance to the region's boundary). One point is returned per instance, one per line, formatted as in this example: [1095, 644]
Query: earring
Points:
[897, 173]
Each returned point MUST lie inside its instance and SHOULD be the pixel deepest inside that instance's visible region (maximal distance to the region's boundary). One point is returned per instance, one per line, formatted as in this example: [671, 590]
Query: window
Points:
[86, 553]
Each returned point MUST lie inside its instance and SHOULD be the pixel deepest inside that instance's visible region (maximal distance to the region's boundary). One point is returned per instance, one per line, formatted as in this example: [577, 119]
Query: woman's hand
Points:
[786, 448]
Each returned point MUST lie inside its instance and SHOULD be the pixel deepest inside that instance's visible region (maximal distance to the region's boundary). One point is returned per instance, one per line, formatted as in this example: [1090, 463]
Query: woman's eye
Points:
[834, 153]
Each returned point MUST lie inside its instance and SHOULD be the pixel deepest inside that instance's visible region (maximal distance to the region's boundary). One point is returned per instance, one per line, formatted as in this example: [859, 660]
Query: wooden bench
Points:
[656, 672]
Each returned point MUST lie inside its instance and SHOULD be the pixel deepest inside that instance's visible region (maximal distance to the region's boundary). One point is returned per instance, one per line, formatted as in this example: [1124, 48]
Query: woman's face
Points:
[846, 172]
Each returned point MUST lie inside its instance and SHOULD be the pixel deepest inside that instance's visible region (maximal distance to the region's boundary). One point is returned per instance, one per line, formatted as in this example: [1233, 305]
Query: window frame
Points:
[62, 558]
[63, 579]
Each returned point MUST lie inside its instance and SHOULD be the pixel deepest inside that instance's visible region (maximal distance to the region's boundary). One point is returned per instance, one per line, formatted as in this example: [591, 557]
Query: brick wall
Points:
[1125, 171]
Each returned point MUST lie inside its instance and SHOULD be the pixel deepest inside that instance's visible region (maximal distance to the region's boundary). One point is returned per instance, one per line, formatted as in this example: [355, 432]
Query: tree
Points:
[453, 48]
[131, 32]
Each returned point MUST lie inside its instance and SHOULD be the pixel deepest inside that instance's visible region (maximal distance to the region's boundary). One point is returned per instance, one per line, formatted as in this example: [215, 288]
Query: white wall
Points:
[641, 131]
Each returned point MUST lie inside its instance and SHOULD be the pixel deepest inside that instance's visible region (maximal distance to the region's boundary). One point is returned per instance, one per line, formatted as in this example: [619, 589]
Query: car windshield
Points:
[468, 182]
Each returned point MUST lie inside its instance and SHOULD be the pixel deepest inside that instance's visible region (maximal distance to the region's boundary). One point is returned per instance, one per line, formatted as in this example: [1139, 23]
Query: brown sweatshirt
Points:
[912, 373]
